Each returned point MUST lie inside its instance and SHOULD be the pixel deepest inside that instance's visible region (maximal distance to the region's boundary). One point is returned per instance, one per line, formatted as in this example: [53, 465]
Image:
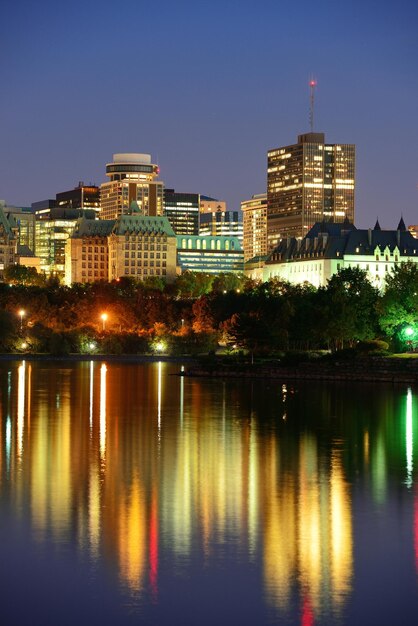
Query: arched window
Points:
[190, 244]
[198, 244]
[218, 244]
[227, 245]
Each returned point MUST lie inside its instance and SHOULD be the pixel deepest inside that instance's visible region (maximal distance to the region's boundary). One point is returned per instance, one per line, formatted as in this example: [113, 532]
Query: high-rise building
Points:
[81, 197]
[132, 178]
[221, 223]
[209, 205]
[182, 211]
[308, 182]
[254, 219]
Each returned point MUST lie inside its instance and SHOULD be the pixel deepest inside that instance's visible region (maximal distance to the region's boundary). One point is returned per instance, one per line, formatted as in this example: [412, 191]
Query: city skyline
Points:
[208, 97]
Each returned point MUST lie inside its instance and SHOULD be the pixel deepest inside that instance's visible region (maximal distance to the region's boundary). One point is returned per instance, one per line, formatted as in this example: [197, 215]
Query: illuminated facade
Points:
[210, 254]
[254, 218]
[134, 246]
[221, 224]
[308, 182]
[81, 197]
[209, 205]
[328, 247]
[132, 178]
[182, 211]
[52, 229]
[23, 220]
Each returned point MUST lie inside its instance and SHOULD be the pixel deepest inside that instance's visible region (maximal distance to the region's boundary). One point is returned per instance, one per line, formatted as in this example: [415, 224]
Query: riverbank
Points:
[124, 358]
[366, 369]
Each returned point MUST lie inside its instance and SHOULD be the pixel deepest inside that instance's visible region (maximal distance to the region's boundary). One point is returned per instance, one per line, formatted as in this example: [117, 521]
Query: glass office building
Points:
[182, 211]
[308, 182]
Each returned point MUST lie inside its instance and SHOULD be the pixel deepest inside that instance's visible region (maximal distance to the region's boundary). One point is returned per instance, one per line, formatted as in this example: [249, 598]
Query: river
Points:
[131, 495]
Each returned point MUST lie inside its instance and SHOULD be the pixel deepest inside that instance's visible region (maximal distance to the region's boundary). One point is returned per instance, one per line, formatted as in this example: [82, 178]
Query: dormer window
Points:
[357, 250]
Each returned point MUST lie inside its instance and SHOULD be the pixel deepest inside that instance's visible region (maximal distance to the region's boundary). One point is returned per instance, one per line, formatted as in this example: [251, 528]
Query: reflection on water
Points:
[142, 468]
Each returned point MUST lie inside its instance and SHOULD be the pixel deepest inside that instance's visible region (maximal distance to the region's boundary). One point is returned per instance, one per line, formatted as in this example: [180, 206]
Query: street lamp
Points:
[104, 318]
[21, 314]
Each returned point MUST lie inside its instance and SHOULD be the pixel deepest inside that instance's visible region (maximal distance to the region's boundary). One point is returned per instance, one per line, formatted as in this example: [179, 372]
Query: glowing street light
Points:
[21, 315]
[409, 331]
[104, 318]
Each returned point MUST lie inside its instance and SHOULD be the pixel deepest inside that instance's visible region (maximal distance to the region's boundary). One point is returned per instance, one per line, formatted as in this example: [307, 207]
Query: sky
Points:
[207, 88]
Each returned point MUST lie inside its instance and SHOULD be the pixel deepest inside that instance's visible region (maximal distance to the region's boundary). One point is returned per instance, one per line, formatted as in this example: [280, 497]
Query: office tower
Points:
[182, 211]
[81, 197]
[254, 220]
[221, 224]
[209, 205]
[308, 182]
[132, 178]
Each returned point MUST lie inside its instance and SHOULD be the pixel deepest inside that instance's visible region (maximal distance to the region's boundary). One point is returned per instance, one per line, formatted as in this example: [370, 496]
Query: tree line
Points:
[199, 312]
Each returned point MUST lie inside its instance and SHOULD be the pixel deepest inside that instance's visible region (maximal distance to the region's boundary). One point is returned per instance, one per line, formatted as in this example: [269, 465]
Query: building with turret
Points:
[132, 178]
[329, 247]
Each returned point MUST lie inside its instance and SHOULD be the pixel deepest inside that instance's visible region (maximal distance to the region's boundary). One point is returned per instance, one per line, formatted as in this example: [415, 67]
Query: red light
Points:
[312, 83]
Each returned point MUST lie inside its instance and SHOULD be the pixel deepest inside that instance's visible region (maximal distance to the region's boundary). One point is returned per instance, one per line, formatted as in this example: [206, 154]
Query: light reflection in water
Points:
[212, 481]
[103, 371]
[409, 439]
[91, 395]
[21, 388]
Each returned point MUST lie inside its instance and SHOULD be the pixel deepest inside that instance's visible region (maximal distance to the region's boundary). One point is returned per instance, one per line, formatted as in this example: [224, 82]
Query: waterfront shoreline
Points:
[368, 370]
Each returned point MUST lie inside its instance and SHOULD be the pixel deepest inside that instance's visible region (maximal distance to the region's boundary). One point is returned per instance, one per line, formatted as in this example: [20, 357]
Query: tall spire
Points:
[401, 225]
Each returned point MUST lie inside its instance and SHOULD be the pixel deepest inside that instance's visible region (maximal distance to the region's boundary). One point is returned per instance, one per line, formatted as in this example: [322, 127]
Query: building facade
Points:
[81, 197]
[329, 247]
[254, 222]
[221, 224]
[52, 229]
[308, 182]
[133, 245]
[209, 254]
[182, 211]
[209, 205]
[132, 178]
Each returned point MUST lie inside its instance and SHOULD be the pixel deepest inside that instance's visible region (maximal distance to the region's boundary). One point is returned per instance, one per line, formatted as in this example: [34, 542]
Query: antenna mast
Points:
[312, 85]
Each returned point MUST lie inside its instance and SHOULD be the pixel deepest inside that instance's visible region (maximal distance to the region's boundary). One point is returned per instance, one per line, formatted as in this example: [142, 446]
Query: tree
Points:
[349, 307]
[23, 275]
[398, 307]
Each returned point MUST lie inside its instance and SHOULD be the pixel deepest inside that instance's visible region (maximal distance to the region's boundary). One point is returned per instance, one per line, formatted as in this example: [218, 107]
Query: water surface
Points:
[130, 495]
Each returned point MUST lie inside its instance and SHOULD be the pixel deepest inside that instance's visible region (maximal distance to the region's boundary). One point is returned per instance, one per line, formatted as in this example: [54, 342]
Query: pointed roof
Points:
[134, 208]
[5, 224]
[401, 225]
[377, 225]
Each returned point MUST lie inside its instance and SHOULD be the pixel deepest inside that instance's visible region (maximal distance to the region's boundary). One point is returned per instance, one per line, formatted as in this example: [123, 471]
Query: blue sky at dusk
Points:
[207, 89]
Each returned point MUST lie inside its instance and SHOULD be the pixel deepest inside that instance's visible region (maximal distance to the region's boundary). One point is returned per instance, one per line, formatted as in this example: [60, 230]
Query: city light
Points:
[103, 318]
[21, 315]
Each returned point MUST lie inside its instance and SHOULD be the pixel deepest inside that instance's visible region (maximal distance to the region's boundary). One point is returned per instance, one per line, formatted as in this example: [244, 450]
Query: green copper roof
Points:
[124, 225]
[4, 223]
[92, 228]
[142, 224]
